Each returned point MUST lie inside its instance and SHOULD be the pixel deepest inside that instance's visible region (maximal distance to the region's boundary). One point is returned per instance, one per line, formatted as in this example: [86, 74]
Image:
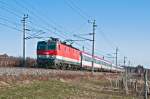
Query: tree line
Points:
[11, 61]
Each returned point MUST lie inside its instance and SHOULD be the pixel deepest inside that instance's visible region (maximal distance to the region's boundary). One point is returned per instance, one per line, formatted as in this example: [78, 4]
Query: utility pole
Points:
[24, 38]
[116, 56]
[93, 42]
[126, 83]
[145, 84]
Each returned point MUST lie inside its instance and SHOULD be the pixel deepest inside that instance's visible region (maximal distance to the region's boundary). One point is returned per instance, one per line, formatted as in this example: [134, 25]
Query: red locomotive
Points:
[55, 54]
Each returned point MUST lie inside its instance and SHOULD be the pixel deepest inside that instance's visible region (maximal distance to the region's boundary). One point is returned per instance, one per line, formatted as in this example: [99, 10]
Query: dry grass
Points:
[57, 89]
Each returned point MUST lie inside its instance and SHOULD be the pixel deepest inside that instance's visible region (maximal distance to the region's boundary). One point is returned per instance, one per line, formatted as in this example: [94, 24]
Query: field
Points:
[61, 85]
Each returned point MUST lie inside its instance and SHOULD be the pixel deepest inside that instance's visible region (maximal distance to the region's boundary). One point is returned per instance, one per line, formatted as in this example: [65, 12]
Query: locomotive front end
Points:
[46, 54]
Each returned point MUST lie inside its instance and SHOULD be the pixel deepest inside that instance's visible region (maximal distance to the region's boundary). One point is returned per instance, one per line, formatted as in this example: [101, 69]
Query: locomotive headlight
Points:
[52, 57]
[39, 56]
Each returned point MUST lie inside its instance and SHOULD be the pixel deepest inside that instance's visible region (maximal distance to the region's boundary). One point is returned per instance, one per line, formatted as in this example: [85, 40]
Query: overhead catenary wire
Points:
[32, 13]
[11, 27]
[89, 44]
[14, 23]
[54, 32]
[107, 40]
[81, 10]
[43, 20]
[36, 10]
[7, 20]
[80, 27]
[100, 52]
[10, 11]
[39, 33]
[76, 10]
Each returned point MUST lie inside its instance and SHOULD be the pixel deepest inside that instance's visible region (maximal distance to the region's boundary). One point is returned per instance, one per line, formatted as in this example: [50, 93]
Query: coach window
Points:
[110, 65]
[99, 62]
[95, 61]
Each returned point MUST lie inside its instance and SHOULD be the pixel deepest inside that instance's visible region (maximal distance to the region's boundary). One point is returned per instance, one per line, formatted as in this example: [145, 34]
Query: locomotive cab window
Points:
[52, 46]
[41, 46]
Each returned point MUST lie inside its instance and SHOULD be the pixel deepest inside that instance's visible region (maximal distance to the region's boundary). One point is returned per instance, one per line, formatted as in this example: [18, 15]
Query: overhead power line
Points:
[35, 35]
[83, 38]
[35, 31]
[11, 27]
[107, 40]
[38, 32]
[81, 10]
[49, 30]
[88, 43]
[75, 10]
[7, 20]
[10, 11]
[36, 10]
[39, 18]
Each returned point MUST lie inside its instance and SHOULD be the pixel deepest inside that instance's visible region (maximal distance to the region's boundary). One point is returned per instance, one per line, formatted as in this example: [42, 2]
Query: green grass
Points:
[56, 89]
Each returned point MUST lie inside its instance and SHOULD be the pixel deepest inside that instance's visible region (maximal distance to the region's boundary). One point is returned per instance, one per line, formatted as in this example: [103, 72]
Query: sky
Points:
[120, 23]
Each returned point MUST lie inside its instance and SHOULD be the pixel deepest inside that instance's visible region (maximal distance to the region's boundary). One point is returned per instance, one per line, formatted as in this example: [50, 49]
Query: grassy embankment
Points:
[60, 89]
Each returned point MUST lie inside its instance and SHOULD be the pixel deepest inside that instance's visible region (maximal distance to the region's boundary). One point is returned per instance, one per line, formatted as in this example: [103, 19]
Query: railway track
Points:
[16, 71]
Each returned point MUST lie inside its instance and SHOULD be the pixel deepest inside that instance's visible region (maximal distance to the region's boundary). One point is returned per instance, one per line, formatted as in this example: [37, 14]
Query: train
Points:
[55, 54]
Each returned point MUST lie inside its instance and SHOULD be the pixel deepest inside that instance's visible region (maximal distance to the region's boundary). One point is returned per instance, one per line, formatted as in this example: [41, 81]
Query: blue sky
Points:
[121, 23]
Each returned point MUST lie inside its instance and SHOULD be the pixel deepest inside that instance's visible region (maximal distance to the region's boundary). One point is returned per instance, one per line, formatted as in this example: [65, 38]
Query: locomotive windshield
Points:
[52, 46]
[41, 45]
[46, 45]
